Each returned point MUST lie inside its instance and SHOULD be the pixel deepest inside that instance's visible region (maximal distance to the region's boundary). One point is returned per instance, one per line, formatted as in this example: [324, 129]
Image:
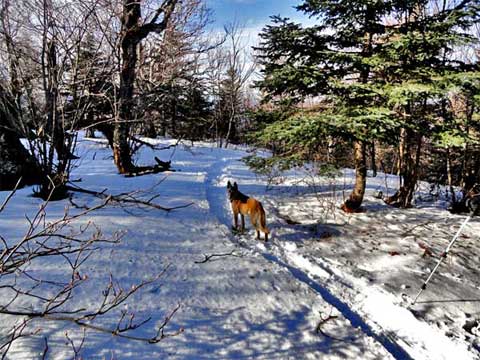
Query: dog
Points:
[244, 205]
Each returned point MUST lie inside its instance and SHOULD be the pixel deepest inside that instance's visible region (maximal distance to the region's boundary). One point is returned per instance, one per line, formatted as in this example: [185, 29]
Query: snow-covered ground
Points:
[267, 300]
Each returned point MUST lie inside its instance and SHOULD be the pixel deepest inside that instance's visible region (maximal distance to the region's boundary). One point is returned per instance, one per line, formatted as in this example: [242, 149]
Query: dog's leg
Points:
[235, 220]
[266, 237]
[243, 222]
[258, 235]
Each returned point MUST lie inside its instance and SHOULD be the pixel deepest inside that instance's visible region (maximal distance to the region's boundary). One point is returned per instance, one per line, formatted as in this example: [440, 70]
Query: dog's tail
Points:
[263, 220]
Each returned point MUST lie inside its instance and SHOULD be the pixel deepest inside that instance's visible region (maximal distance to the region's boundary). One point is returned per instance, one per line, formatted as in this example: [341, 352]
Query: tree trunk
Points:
[132, 33]
[449, 174]
[121, 132]
[373, 159]
[353, 203]
[465, 170]
[404, 196]
[174, 122]
[229, 131]
[16, 162]
[54, 123]
[149, 129]
[401, 155]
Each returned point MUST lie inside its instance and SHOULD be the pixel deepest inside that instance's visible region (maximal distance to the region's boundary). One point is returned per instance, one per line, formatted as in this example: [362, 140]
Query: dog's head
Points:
[232, 190]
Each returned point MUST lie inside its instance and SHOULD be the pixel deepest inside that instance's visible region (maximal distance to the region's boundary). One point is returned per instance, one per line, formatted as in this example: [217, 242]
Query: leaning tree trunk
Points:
[353, 203]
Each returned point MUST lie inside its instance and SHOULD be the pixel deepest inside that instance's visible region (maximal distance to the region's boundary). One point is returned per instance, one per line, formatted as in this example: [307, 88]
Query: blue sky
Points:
[251, 13]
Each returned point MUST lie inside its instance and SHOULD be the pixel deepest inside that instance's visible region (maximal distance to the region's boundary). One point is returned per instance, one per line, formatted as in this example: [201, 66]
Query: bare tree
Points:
[134, 29]
[42, 53]
[171, 68]
[231, 69]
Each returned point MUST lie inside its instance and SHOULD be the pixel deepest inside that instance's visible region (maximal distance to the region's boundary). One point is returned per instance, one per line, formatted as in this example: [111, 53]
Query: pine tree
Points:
[333, 60]
[419, 66]
[382, 70]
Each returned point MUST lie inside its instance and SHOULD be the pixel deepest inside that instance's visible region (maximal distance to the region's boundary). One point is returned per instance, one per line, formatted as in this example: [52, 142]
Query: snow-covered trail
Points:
[218, 174]
[367, 307]
[232, 307]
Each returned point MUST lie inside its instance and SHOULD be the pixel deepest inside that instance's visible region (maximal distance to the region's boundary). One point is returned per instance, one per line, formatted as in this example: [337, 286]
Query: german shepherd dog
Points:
[244, 205]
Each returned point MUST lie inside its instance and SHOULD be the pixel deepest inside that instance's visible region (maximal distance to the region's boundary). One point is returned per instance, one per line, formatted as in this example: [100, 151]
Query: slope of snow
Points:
[265, 301]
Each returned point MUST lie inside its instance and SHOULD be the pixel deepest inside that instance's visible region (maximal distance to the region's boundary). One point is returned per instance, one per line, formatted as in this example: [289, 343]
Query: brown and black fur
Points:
[244, 205]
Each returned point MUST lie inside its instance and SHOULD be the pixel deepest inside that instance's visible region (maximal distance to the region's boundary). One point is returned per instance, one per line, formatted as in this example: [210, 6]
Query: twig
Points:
[424, 224]
[10, 195]
[76, 350]
[45, 349]
[210, 256]
[319, 330]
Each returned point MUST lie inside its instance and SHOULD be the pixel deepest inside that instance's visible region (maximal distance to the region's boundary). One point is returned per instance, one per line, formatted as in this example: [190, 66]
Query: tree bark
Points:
[132, 34]
[404, 196]
[353, 203]
[466, 170]
[401, 155]
[373, 159]
[54, 124]
[149, 129]
[121, 147]
[449, 174]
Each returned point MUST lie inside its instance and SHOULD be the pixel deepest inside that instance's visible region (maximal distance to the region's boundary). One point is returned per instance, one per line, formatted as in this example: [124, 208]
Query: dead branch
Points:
[76, 348]
[144, 143]
[323, 320]
[161, 166]
[121, 330]
[53, 300]
[210, 256]
[179, 140]
[127, 198]
[40, 233]
[45, 349]
[10, 195]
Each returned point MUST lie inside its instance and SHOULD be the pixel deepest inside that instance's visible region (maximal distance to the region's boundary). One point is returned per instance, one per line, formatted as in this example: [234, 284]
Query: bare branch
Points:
[210, 256]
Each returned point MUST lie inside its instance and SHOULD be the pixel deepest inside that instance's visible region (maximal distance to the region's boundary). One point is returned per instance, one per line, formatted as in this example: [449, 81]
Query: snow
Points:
[266, 300]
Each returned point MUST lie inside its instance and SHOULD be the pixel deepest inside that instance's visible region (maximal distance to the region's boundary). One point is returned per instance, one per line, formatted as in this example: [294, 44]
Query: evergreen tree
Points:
[382, 70]
[419, 65]
[333, 60]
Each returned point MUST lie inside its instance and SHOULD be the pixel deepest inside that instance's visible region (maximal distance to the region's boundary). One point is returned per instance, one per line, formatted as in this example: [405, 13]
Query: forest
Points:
[356, 123]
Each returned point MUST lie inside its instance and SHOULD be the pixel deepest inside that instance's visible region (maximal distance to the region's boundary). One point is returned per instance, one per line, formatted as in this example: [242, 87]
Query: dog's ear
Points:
[235, 186]
[229, 185]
